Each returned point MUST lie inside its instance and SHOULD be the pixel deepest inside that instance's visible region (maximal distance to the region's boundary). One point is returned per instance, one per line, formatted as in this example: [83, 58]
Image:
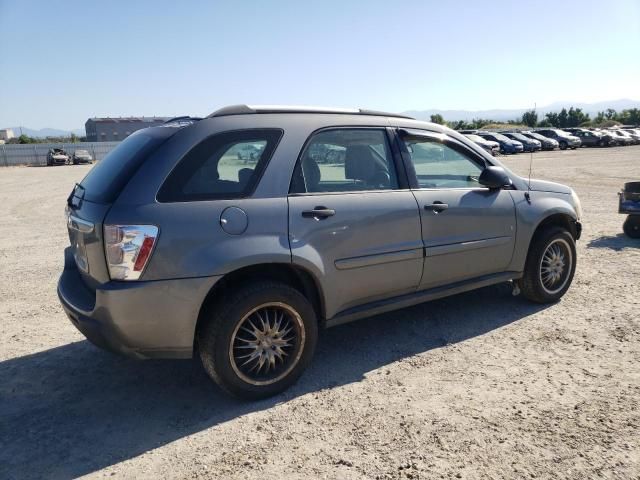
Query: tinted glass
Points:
[499, 137]
[438, 165]
[109, 176]
[226, 165]
[345, 160]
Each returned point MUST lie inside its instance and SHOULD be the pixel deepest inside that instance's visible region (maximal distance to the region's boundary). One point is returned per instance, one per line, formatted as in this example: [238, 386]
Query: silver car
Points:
[178, 247]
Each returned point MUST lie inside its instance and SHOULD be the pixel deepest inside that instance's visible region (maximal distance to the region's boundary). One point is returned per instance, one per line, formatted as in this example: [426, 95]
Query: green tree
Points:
[461, 125]
[530, 118]
[629, 117]
[437, 118]
[610, 114]
[563, 118]
[551, 119]
[25, 139]
[480, 122]
[576, 117]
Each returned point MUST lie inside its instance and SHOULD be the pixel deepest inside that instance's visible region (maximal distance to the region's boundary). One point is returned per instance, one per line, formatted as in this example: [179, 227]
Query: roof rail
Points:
[253, 109]
[184, 118]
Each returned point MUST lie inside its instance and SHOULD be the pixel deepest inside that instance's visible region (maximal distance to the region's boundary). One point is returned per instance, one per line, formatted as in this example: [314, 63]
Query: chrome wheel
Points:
[267, 343]
[555, 266]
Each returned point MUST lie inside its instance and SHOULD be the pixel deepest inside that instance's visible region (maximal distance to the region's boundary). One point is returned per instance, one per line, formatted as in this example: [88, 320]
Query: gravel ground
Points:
[481, 385]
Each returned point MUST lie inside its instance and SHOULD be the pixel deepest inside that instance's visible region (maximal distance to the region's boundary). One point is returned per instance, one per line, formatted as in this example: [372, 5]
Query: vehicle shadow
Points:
[73, 410]
[614, 242]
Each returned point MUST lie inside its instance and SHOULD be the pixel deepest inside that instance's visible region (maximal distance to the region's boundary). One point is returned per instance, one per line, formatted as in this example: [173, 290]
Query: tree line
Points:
[574, 117]
[24, 139]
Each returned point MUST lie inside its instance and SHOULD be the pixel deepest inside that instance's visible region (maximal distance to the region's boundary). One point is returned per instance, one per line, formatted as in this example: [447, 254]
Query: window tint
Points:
[227, 165]
[437, 165]
[345, 160]
[108, 177]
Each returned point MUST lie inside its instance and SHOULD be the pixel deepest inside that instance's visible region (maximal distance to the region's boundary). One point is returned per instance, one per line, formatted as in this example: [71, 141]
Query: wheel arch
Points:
[558, 219]
[293, 275]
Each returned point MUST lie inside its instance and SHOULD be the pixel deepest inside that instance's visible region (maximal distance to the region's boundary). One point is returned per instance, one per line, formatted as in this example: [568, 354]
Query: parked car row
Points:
[58, 156]
[517, 141]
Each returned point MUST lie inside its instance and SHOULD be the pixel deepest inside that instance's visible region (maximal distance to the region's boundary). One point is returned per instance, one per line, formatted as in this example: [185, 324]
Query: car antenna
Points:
[527, 195]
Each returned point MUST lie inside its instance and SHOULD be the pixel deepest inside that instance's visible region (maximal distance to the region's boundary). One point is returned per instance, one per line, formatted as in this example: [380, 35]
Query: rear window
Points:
[225, 165]
[109, 176]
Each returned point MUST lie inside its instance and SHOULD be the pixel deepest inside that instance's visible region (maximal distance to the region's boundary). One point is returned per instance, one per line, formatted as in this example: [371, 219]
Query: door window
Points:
[437, 165]
[345, 160]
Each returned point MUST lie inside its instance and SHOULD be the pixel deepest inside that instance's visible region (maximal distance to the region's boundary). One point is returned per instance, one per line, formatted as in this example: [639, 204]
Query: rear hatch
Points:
[91, 199]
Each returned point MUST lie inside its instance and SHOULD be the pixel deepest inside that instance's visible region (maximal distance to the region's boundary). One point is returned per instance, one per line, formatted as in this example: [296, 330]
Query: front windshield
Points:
[537, 136]
[475, 138]
[501, 137]
[519, 136]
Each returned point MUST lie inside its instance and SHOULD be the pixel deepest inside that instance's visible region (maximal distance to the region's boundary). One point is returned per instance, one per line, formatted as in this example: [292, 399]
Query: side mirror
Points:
[494, 177]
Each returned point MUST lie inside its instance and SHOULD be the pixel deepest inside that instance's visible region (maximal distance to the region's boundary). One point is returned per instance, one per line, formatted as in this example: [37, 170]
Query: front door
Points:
[468, 230]
[352, 221]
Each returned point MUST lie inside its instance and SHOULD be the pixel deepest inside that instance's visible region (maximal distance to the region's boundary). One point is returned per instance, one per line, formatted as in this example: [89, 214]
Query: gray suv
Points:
[182, 245]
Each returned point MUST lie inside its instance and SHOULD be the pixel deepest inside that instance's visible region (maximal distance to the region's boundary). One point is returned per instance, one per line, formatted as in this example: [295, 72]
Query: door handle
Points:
[436, 207]
[318, 213]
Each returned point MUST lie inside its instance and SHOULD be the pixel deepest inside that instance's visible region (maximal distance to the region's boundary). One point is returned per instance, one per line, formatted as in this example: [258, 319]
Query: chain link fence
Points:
[36, 153]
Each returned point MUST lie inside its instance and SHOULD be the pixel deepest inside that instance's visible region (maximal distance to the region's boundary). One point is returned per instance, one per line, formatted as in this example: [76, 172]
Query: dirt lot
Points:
[482, 385]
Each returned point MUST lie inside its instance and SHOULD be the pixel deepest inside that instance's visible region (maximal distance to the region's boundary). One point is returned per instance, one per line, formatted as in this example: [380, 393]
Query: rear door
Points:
[468, 230]
[352, 218]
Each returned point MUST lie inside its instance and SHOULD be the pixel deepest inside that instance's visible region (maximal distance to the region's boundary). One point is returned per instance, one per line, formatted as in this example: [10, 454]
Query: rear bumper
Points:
[154, 319]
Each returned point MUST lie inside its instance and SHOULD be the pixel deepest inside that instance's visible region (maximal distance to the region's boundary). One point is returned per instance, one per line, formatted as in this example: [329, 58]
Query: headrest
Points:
[244, 175]
[361, 164]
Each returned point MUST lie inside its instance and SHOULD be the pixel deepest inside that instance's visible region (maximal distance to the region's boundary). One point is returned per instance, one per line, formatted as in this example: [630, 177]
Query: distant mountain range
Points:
[46, 132]
[513, 114]
[449, 115]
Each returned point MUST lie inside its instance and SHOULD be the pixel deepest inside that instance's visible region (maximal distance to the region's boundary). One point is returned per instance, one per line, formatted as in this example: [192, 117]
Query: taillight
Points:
[128, 249]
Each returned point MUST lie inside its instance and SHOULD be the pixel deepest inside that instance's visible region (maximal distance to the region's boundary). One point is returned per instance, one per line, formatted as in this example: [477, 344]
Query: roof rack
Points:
[252, 109]
[184, 118]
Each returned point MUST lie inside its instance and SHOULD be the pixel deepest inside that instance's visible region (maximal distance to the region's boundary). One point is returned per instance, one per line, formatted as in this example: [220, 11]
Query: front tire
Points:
[563, 145]
[257, 342]
[631, 226]
[550, 266]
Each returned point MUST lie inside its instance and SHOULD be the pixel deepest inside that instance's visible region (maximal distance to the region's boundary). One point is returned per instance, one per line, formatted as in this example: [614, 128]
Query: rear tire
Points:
[257, 342]
[563, 145]
[631, 226]
[550, 266]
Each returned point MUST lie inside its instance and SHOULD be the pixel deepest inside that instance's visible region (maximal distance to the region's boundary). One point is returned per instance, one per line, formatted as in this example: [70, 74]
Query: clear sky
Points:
[64, 61]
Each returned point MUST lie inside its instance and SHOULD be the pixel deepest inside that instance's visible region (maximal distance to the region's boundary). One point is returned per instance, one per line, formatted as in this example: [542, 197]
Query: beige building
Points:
[6, 134]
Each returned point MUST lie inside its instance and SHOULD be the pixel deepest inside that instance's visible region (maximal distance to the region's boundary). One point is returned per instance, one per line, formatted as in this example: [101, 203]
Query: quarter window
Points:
[437, 165]
[345, 160]
[227, 165]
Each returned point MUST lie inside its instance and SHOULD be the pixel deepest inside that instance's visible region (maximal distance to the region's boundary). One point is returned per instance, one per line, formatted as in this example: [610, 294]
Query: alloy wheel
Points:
[555, 266]
[267, 343]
